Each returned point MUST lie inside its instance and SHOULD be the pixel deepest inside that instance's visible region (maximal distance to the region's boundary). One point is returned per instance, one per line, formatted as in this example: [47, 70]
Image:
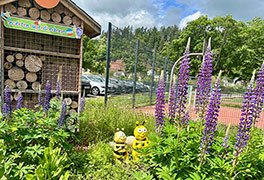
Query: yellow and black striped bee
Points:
[120, 148]
[141, 139]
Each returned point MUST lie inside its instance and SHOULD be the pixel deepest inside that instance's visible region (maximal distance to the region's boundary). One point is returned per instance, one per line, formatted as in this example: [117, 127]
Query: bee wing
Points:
[130, 140]
[111, 144]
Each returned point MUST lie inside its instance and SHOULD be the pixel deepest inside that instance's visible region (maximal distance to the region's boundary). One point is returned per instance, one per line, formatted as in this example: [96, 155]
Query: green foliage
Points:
[52, 165]
[175, 155]
[94, 54]
[24, 139]
[236, 45]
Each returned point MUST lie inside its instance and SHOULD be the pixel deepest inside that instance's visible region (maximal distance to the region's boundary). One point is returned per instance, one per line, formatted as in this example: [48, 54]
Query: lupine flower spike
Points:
[19, 101]
[7, 108]
[160, 104]
[211, 119]
[46, 103]
[183, 79]
[259, 92]
[63, 114]
[204, 83]
[172, 107]
[246, 120]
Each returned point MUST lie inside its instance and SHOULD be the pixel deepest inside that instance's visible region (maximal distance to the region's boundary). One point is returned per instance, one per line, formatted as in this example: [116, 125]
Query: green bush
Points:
[24, 139]
[175, 155]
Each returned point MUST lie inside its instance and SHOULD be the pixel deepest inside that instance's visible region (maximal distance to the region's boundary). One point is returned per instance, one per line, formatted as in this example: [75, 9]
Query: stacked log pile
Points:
[58, 14]
[22, 71]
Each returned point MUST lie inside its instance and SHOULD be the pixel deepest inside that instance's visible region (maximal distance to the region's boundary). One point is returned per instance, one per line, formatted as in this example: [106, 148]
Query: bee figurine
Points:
[141, 139]
[120, 148]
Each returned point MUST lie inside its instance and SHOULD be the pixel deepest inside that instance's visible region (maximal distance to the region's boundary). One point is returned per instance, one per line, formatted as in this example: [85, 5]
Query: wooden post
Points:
[1, 60]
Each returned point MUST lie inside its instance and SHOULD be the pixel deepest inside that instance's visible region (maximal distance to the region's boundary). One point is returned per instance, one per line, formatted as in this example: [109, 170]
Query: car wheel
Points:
[95, 91]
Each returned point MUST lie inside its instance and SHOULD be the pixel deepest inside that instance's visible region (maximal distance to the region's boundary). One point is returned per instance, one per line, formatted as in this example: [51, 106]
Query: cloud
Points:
[244, 10]
[158, 13]
[136, 13]
[137, 19]
[184, 21]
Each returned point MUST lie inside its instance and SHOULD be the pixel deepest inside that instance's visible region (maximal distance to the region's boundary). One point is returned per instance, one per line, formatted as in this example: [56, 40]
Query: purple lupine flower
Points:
[19, 101]
[186, 118]
[7, 108]
[211, 118]
[246, 120]
[58, 89]
[204, 83]
[62, 114]
[82, 104]
[40, 102]
[46, 103]
[172, 107]
[259, 92]
[160, 105]
[183, 79]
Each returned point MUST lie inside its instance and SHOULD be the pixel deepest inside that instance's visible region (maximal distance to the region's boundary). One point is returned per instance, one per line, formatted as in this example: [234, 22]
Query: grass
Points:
[99, 124]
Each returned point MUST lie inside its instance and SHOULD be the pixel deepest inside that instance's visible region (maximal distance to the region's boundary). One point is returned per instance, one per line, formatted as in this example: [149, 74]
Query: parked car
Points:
[86, 86]
[118, 83]
[98, 85]
[112, 88]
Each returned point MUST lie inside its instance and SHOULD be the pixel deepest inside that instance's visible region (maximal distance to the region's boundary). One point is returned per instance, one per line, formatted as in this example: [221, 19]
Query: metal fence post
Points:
[108, 51]
[135, 75]
[153, 75]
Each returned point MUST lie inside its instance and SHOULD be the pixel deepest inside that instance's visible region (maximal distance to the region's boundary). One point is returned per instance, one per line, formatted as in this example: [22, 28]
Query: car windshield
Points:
[92, 78]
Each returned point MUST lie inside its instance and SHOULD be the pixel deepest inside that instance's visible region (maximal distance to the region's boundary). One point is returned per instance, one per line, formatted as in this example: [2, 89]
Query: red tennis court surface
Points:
[227, 115]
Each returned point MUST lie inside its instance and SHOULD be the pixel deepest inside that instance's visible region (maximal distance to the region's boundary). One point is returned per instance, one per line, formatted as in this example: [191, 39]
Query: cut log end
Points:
[36, 86]
[10, 58]
[33, 63]
[10, 83]
[19, 56]
[8, 65]
[68, 101]
[10, 8]
[45, 15]
[34, 13]
[22, 85]
[67, 20]
[16, 74]
[76, 21]
[20, 63]
[74, 105]
[31, 77]
[24, 3]
[21, 12]
[56, 17]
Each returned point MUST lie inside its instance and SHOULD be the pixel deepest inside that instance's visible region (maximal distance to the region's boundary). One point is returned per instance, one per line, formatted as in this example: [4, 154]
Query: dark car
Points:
[86, 86]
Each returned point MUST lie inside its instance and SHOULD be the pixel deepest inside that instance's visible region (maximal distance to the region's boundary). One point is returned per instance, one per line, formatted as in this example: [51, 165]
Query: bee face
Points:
[120, 137]
[140, 132]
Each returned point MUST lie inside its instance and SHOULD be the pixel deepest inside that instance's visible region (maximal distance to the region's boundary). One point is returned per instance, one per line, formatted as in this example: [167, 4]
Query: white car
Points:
[97, 87]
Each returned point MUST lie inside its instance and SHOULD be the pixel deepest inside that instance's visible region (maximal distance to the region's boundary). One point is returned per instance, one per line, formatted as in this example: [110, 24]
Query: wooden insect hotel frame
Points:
[38, 44]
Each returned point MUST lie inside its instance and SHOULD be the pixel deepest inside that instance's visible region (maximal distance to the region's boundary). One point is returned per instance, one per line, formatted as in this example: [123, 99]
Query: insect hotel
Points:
[41, 39]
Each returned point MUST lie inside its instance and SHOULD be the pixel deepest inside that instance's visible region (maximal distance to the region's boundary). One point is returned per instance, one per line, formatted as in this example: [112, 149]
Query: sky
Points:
[150, 13]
